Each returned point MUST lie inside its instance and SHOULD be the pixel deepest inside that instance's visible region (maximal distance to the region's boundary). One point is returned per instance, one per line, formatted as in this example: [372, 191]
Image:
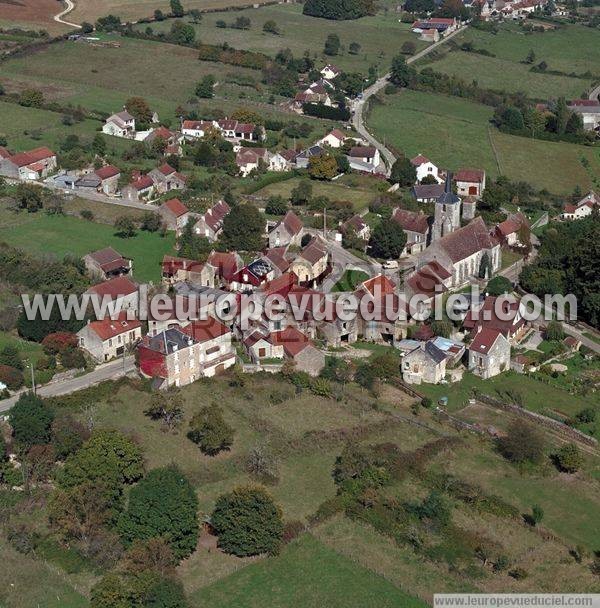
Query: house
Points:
[172, 139]
[29, 166]
[108, 338]
[210, 223]
[334, 139]
[180, 355]
[166, 178]
[430, 35]
[140, 187]
[443, 26]
[121, 292]
[357, 225]
[416, 227]
[279, 162]
[427, 193]
[226, 265]
[109, 176]
[425, 168]
[466, 253]
[582, 209]
[589, 110]
[364, 158]
[240, 131]
[175, 214]
[250, 159]
[520, 364]
[312, 263]
[470, 182]
[489, 353]
[252, 276]
[299, 348]
[303, 157]
[503, 314]
[121, 124]
[429, 281]
[572, 344]
[107, 263]
[276, 256]
[425, 363]
[287, 232]
[176, 270]
[508, 231]
[196, 129]
[330, 71]
[259, 345]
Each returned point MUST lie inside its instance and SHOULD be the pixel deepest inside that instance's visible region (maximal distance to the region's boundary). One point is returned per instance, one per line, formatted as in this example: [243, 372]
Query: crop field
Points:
[380, 36]
[61, 235]
[131, 10]
[456, 133]
[31, 15]
[571, 49]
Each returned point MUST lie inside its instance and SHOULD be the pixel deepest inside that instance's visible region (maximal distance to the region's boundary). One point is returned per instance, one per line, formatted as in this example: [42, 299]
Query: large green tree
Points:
[339, 9]
[163, 504]
[248, 522]
[403, 172]
[387, 240]
[401, 73]
[30, 420]
[244, 229]
[209, 430]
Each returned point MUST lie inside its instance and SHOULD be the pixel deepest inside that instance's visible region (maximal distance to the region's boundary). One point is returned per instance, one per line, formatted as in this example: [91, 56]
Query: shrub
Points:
[291, 531]
[56, 343]
[523, 443]
[12, 377]
[30, 420]
[209, 430]
[569, 458]
[248, 522]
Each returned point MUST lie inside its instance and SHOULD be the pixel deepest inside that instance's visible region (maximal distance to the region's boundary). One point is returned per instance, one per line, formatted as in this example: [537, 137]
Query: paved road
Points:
[595, 94]
[59, 18]
[358, 120]
[106, 371]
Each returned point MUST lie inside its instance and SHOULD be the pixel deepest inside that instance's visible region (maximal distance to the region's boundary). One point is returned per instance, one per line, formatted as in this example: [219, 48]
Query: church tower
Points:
[446, 217]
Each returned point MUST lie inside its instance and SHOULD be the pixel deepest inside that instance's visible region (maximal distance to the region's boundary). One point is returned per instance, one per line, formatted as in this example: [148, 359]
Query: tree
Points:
[68, 435]
[99, 145]
[271, 27]
[442, 328]
[485, 267]
[182, 33]
[513, 118]
[196, 15]
[569, 458]
[562, 114]
[138, 107]
[403, 172]
[332, 45]
[419, 6]
[401, 74]
[276, 205]
[323, 166]
[86, 27]
[31, 98]
[30, 420]
[522, 443]
[339, 9]
[177, 8]
[498, 286]
[163, 504]
[388, 240]
[10, 356]
[262, 464]
[354, 48]
[150, 222]
[302, 193]
[12, 377]
[530, 57]
[159, 15]
[206, 87]
[537, 514]
[167, 407]
[408, 48]
[29, 197]
[554, 331]
[110, 23]
[535, 121]
[191, 245]
[243, 229]
[108, 457]
[248, 522]
[209, 430]
[125, 226]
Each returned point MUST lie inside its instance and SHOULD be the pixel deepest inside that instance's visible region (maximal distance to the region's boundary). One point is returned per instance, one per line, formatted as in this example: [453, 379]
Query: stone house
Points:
[109, 176]
[107, 263]
[416, 227]
[470, 182]
[489, 353]
[121, 124]
[287, 232]
[312, 263]
[166, 178]
[174, 214]
[141, 187]
[121, 292]
[176, 270]
[210, 224]
[29, 166]
[426, 363]
[425, 168]
[299, 348]
[108, 338]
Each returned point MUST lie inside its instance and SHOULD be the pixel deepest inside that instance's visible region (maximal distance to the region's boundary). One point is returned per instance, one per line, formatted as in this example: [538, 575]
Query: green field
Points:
[306, 575]
[456, 133]
[381, 36]
[572, 49]
[350, 280]
[61, 235]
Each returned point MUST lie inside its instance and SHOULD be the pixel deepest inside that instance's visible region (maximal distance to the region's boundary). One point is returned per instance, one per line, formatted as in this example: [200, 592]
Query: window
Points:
[110, 342]
[262, 352]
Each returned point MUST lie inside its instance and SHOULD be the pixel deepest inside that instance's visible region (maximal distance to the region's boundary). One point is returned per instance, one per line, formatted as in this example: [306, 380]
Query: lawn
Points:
[381, 36]
[463, 138]
[359, 196]
[570, 49]
[306, 575]
[350, 280]
[62, 235]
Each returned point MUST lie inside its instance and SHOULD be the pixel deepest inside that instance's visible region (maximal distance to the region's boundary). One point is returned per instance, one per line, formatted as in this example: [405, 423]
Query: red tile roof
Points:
[206, 329]
[418, 160]
[363, 152]
[176, 207]
[166, 170]
[511, 224]
[414, 221]
[4, 153]
[24, 159]
[379, 285]
[143, 182]
[108, 259]
[314, 251]
[467, 240]
[292, 340]
[107, 172]
[475, 176]
[171, 264]
[119, 286]
[292, 223]
[484, 340]
[108, 328]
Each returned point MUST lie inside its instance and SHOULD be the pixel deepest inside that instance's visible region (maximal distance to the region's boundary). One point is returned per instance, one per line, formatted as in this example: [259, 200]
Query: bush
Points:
[523, 443]
[30, 420]
[291, 531]
[248, 522]
[569, 458]
[59, 342]
[12, 377]
[209, 430]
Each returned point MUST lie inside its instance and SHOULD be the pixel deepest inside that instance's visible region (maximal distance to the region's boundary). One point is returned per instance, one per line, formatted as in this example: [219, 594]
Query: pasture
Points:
[569, 49]
[380, 36]
[31, 15]
[456, 133]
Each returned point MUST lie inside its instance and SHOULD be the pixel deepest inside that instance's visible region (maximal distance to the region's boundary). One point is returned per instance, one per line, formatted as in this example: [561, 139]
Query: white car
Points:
[391, 265]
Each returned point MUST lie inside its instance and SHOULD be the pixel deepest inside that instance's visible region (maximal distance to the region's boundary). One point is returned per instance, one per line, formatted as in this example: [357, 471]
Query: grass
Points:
[350, 280]
[572, 48]
[28, 350]
[381, 36]
[463, 138]
[359, 196]
[307, 574]
[61, 235]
